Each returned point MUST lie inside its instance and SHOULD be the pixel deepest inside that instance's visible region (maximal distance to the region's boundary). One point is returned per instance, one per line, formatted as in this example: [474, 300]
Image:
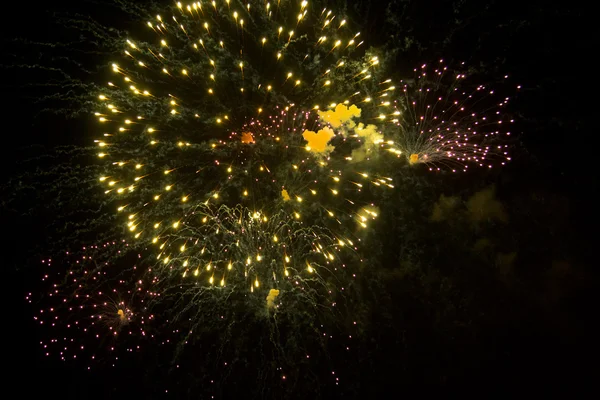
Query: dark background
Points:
[533, 333]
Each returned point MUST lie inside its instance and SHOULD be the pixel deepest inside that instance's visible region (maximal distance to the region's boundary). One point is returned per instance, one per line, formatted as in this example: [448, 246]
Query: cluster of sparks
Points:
[87, 304]
[219, 161]
[445, 125]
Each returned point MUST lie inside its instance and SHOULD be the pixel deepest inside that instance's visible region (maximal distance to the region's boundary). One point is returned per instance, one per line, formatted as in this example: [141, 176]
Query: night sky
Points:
[478, 281]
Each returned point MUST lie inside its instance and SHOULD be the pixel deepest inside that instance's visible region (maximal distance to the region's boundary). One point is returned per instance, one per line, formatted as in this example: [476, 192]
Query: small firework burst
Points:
[87, 305]
[443, 122]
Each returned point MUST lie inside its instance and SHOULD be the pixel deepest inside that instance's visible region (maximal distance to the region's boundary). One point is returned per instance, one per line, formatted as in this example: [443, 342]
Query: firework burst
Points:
[443, 121]
[89, 307]
[177, 140]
